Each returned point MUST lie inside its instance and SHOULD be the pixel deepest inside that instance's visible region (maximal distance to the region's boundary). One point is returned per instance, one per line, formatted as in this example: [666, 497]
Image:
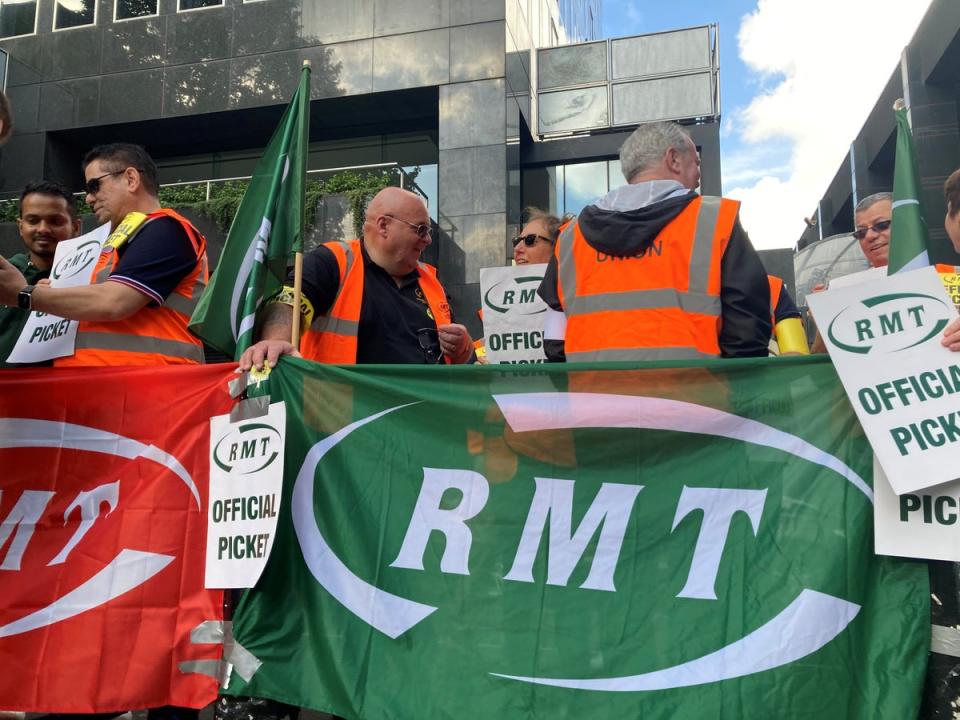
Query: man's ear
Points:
[77, 225]
[673, 159]
[132, 177]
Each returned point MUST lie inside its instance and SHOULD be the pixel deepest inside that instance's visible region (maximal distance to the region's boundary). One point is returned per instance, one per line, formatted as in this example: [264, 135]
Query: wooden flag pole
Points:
[297, 279]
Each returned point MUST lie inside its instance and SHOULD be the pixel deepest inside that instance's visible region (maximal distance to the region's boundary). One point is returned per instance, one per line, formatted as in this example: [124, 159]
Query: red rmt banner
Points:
[103, 492]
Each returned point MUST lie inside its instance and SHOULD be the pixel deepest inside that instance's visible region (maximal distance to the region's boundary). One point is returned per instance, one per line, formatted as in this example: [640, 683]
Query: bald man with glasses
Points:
[370, 300]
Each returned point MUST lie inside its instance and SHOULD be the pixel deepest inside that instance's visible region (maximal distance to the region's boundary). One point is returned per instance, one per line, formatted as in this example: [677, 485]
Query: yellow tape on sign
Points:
[951, 283]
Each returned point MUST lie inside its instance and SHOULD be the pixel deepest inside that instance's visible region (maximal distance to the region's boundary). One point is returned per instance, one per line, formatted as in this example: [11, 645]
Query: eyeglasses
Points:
[429, 340]
[861, 233]
[419, 228]
[530, 240]
[93, 184]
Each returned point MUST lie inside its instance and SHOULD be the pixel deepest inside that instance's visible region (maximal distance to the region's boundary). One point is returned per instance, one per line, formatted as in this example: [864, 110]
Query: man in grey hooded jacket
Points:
[627, 226]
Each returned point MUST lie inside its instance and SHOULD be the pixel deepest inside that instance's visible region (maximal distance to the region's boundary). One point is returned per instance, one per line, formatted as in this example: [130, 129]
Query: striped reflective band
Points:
[184, 306]
[702, 253]
[567, 268]
[335, 325]
[348, 254]
[645, 300]
[653, 353]
[139, 344]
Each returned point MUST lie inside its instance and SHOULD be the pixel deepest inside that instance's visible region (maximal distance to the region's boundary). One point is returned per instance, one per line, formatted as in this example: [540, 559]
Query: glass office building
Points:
[446, 86]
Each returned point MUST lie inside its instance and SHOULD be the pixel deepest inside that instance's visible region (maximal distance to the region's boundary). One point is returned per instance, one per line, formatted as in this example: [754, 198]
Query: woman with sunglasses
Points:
[535, 242]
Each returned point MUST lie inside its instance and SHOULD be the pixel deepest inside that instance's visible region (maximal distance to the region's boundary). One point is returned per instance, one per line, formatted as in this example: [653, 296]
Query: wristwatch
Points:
[25, 297]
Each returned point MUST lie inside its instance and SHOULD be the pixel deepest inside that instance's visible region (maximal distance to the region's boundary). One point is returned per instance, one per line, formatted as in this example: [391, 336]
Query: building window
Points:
[17, 17]
[74, 13]
[197, 4]
[127, 9]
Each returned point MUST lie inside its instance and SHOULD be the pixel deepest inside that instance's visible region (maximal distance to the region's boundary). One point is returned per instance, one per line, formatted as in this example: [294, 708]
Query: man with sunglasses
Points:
[370, 300]
[150, 274]
[873, 217]
[653, 270]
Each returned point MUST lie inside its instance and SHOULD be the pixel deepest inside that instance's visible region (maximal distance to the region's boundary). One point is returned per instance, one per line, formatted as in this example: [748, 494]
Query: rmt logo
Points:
[27, 512]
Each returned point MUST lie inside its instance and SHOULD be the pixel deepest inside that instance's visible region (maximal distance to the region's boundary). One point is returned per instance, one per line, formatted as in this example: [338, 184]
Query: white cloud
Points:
[820, 66]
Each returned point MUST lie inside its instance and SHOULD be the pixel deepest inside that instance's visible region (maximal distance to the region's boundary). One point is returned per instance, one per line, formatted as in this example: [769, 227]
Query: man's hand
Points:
[951, 336]
[11, 283]
[269, 350]
[455, 342]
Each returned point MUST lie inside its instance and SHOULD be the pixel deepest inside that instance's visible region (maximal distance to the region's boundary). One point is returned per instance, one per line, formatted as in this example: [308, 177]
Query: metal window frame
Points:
[116, 4]
[220, 4]
[93, 23]
[36, 23]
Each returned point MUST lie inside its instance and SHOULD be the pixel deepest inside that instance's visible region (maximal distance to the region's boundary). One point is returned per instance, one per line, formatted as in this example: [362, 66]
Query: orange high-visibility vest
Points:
[941, 268]
[332, 338]
[152, 335]
[662, 305]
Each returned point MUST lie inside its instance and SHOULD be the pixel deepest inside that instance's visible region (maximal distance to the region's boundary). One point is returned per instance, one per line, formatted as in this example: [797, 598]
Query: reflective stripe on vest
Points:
[152, 335]
[332, 338]
[663, 305]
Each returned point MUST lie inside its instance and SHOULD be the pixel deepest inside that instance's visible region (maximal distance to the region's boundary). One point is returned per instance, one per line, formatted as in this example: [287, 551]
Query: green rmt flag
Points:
[599, 545]
[267, 230]
[908, 234]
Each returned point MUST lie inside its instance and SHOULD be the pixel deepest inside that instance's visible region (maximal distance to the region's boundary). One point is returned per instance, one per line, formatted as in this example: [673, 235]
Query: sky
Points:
[797, 79]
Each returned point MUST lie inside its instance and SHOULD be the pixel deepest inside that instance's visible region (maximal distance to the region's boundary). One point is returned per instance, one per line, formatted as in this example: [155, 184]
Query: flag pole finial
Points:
[306, 64]
[899, 104]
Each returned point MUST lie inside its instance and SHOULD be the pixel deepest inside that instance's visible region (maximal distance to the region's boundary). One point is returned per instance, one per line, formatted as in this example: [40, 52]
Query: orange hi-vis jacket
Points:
[664, 304]
[332, 338]
[152, 335]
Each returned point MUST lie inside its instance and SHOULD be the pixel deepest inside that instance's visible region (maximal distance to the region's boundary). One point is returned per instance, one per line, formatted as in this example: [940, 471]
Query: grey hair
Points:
[870, 200]
[647, 145]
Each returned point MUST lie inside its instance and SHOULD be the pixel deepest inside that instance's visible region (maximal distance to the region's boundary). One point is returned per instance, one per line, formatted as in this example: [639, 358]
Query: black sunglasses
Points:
[530, 240]
[861, 233]
[429, 340]
[419, 228]
[93, 184]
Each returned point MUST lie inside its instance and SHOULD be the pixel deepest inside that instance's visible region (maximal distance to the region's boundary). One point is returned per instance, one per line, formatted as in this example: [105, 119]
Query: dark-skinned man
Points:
[48, 215]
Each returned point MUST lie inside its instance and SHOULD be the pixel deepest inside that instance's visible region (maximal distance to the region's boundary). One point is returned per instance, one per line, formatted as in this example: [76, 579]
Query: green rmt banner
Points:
[580, 542]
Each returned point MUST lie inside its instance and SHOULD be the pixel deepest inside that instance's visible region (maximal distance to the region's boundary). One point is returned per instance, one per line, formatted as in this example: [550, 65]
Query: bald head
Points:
[393, 201]
[396, 230]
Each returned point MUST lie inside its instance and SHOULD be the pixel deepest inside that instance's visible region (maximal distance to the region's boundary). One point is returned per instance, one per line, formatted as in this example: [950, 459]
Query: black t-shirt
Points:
[156, 260]
[785, 308]
[390, 315]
